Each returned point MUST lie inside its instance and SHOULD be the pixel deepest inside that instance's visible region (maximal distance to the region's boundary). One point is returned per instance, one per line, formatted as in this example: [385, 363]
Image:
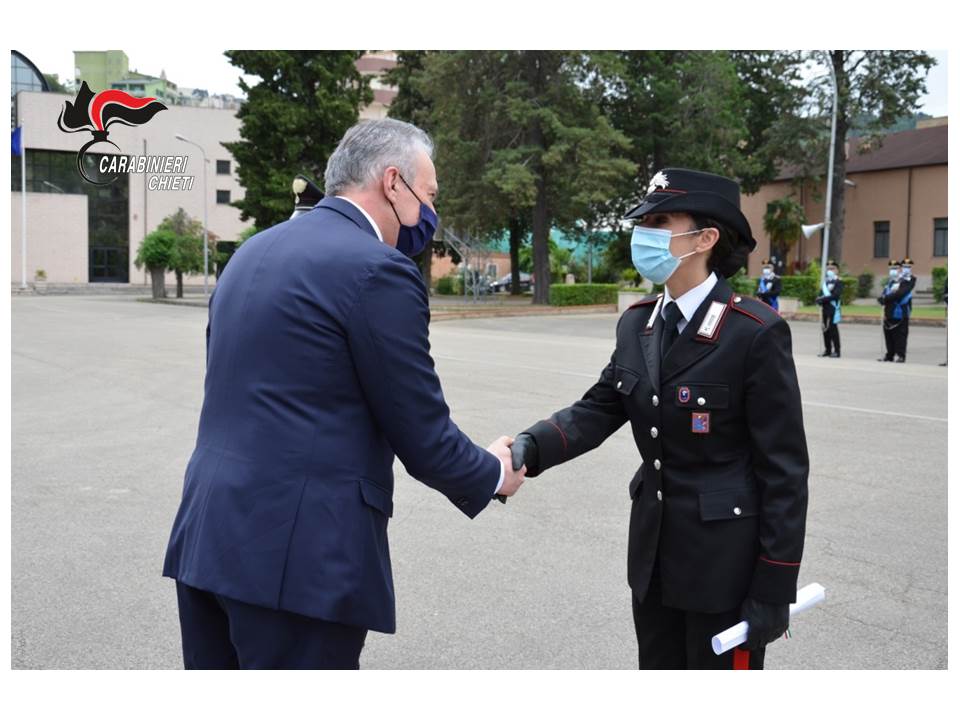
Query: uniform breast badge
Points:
[701, 423]
[683, 394]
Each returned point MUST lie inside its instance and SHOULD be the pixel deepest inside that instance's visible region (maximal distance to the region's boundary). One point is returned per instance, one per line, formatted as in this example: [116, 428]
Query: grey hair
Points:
[369, 148]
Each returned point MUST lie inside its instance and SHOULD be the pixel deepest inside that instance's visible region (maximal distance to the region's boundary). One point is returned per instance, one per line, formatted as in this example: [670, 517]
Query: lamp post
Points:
[833, 143]
[206, 248]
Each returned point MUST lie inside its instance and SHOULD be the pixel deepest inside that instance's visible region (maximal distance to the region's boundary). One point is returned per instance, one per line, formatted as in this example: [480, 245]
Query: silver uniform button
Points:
[737, 511]
[659, 496]
[653, 432]
[656, 401]
[656, 464]
[701, 401]
[737, 299]
[619, 384]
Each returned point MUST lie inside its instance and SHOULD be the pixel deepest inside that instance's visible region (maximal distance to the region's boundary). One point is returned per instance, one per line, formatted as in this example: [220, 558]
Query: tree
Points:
[782, 223]
[154, 253]
[879, 86]
[291, 122]
[186, 252]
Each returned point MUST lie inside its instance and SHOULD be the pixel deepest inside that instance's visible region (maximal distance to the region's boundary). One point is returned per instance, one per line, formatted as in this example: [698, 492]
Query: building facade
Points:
[895, 207]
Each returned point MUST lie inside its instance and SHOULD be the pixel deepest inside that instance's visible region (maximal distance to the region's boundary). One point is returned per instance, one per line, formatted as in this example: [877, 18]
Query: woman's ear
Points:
[708, 238]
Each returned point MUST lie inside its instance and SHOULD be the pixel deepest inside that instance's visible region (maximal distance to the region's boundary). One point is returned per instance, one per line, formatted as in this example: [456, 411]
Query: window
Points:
[881, 239]
[223, 197]
[223, 167]
[940, 237]
[108, 207]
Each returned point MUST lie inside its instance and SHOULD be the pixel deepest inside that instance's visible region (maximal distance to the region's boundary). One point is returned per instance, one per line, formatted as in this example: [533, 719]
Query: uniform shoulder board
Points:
[646, 301]
[754, 308]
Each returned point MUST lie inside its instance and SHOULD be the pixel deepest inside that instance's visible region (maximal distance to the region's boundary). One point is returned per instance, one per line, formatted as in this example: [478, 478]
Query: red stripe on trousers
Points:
[741, 659]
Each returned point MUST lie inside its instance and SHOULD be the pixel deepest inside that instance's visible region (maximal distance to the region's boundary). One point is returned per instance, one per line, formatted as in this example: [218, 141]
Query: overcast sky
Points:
[210, 70]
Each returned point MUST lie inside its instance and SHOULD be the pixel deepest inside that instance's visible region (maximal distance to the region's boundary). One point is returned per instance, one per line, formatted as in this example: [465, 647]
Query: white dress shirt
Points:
[376, 229]
[689, 301]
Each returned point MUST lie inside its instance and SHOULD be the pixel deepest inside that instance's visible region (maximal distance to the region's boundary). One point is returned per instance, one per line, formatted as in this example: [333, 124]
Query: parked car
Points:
[504, 284]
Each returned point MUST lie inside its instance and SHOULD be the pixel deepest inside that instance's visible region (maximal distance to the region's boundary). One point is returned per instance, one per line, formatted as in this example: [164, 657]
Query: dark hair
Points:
[727, 255]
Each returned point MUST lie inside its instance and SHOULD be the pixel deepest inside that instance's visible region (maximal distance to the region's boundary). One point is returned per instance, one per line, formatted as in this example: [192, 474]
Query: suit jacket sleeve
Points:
[779, 451]
[388, 339]
[777, 286]
[581, 427]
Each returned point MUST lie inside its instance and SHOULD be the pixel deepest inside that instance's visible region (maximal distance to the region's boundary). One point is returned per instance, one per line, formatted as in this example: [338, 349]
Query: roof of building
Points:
[910, 148]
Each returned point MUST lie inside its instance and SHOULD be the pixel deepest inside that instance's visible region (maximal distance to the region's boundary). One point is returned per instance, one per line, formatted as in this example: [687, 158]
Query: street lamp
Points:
[206, 248]
[833, 143]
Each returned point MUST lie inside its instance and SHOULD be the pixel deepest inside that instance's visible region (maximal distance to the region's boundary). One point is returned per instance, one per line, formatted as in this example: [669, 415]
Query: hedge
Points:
[939, 282]
[584, 294]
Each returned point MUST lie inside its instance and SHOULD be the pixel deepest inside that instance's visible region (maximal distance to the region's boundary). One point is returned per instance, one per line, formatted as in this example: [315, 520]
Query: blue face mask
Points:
[767, 273]
[650, 252]
[907, 272]
[831, 275]
[894, 274]
[414, 238]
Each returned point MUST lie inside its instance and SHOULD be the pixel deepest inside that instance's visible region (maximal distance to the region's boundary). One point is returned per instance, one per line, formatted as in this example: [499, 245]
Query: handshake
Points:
[517, 457]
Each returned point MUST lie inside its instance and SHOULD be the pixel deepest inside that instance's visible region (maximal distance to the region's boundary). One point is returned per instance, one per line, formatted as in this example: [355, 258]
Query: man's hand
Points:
[767, 622]
[524, 452]
[512, 478]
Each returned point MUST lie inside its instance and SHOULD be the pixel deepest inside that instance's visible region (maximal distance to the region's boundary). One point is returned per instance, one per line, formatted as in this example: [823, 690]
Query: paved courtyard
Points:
[106, 394]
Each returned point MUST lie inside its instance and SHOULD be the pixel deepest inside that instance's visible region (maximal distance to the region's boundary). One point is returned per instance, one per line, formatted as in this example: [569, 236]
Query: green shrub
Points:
[583, 294]
[865, 284]
[939, 282]
[447, 286]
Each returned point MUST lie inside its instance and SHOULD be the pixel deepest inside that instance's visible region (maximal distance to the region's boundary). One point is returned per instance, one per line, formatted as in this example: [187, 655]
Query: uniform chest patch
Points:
[683, 394]
[701, 423]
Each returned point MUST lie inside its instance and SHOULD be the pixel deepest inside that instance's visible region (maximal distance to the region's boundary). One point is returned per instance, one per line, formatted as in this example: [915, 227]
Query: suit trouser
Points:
[672, 639]
[889, 339]
[223, 634]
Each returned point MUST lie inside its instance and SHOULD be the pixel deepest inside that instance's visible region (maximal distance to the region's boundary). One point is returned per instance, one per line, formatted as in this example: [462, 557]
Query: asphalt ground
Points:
[106, 393]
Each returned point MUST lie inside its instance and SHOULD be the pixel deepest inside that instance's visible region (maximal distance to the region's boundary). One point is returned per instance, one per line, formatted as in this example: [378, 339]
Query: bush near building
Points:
[939, 282]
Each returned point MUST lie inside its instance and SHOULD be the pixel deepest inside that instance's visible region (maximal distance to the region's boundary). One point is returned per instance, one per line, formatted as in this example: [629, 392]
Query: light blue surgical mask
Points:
[831, 275]
[894, 274]
[907, 272]
[650, 252]
[767, 273]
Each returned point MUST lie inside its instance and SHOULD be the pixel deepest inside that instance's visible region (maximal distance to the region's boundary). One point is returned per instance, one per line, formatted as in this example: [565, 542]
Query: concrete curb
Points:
[863, 319]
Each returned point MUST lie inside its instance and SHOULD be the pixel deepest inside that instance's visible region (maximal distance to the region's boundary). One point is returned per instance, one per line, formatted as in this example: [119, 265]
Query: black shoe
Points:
[885, 359]
[900, 359]
[823, 354]
[835, 355]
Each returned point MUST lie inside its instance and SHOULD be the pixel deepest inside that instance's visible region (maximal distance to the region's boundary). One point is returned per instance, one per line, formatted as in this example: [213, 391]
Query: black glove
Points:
[767, 622]
[524, 452]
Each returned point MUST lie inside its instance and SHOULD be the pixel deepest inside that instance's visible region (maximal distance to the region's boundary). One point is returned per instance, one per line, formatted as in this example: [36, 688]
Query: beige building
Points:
[895, 206]
[79, 233]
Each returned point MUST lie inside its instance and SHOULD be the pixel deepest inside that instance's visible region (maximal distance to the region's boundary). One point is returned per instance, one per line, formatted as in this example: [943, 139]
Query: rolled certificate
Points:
[807, 597]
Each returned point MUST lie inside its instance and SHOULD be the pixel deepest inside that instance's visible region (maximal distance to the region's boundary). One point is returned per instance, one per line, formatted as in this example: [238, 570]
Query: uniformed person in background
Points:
[829, 301]
[707, 380]
[770, 286]
[904, 308]
[306, 195]
[892, 299]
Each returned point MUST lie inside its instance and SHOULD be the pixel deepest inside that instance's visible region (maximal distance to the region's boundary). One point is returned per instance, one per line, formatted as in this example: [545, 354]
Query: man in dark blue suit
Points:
[318, 373]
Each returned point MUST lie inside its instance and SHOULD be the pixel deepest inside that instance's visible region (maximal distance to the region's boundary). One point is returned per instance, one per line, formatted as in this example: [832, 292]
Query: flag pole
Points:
[23, 210]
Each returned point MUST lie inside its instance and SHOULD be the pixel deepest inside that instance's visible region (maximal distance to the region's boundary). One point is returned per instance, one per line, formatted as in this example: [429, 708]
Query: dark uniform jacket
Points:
[835, 295]
[775, 287]
[721, 494]
[892, 297]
